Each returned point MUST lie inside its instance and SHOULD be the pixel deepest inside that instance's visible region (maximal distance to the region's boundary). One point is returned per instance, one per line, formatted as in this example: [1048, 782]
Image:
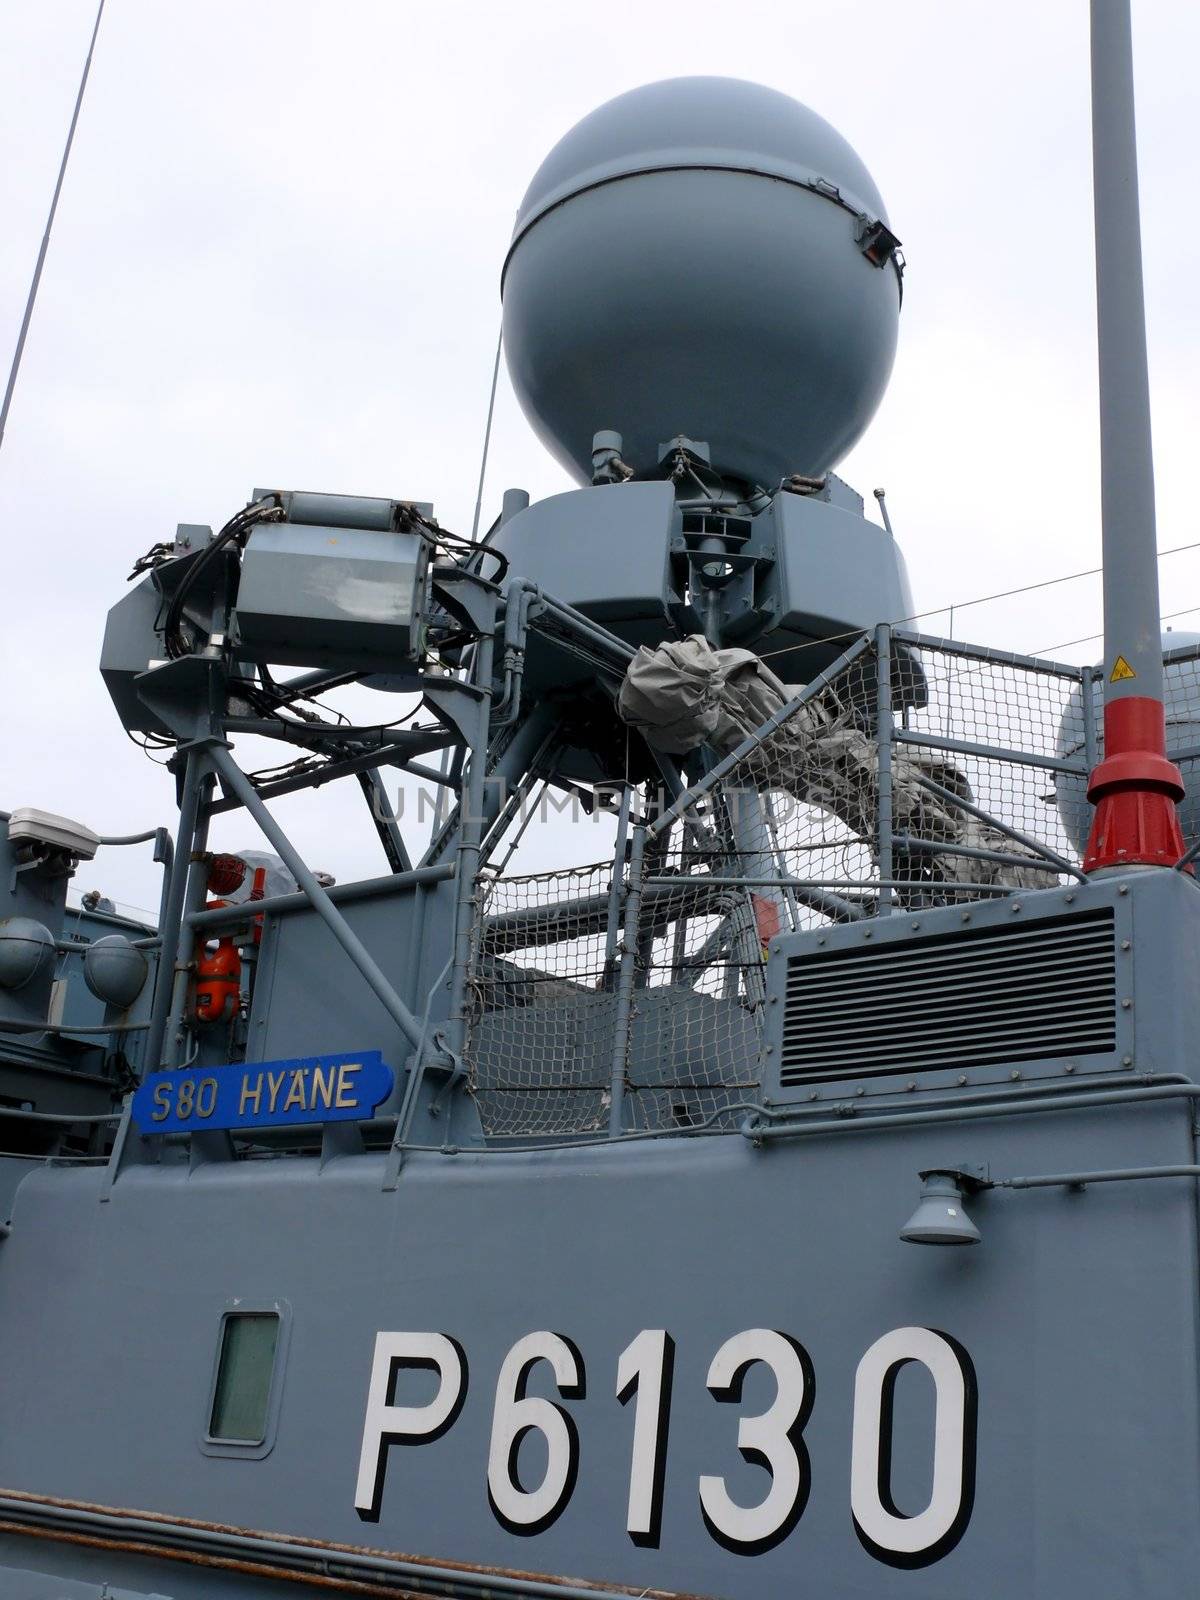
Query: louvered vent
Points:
[962, 999]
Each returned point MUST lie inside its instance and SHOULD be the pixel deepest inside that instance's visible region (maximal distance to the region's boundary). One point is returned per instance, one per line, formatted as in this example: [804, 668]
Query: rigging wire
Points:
[1167, 616]
[487, 435]
[45, 245]
[983, 599]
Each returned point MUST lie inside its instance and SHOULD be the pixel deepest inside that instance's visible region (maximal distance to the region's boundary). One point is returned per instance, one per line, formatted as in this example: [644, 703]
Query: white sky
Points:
[277, 257]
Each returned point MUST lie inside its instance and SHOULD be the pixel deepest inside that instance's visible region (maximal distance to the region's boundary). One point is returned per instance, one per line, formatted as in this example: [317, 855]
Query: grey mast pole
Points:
[1134, 787]
[1126, 460]
[41, 259]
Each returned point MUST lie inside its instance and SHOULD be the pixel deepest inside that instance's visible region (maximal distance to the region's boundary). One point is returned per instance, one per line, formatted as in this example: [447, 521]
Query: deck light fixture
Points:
[941, 1217]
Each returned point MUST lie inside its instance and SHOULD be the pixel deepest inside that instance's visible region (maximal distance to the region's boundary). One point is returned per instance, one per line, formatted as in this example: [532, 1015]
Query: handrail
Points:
[280, 905]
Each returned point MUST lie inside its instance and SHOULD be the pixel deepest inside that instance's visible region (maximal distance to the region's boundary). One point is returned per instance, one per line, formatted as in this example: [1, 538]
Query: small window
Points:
[242, 1394]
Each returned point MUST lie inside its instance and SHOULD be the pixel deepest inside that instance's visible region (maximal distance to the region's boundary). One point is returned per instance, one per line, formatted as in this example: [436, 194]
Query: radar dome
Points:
[702, 257]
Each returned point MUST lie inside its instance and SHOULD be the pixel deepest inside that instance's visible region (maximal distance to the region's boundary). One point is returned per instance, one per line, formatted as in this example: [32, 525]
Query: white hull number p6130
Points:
[772, 1439]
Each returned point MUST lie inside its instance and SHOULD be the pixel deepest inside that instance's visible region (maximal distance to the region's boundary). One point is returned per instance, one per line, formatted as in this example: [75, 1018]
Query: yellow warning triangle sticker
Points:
[1121, 670]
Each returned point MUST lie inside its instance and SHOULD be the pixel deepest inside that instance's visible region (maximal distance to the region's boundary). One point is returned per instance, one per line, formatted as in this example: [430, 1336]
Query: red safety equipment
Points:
[218, 980]
[225, 874]
[219, 966]
[1135, 790]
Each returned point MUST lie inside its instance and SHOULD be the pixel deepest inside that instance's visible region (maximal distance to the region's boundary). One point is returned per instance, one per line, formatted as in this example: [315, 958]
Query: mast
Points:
[1134, 788]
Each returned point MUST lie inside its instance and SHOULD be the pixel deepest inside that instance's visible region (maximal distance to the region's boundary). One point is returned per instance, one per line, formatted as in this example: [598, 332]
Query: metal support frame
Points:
[883, 761]
[518, 597]
[1060, 863]
[327, 771]
[625, 914]
[579, 634]
[172, 908]
[975, 852]
[470, 835]
[780, 855]
[705, 881]
[345, 750]
[752, 872]
[412, 1088]
[653, 856]
[987, 752]
[279, 905]
[535, 772]
[1091, 746]
[612, 927]
[241, 786]
[625, 982]
[194, 894]
[985, 652]
[511, 753]
[384, 818]
[506, 816]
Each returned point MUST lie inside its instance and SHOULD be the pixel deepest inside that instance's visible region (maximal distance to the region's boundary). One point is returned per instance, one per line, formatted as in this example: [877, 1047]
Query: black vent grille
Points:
[971, 998]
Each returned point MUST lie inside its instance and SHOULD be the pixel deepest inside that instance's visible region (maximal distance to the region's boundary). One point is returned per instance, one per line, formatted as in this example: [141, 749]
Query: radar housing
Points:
[702, 257]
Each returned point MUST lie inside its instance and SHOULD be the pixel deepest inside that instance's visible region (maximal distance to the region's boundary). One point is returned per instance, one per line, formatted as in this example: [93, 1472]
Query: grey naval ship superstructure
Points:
[794, 1193]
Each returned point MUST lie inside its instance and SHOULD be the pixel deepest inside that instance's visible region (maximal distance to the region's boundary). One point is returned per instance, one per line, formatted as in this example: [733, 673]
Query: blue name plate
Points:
[264, 1094]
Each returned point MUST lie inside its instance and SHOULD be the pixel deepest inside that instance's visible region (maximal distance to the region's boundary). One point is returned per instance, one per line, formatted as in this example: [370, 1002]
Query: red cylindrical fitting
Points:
[1135, 790]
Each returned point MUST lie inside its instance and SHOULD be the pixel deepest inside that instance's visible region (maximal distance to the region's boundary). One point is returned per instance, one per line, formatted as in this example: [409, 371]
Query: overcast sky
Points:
[277, 256]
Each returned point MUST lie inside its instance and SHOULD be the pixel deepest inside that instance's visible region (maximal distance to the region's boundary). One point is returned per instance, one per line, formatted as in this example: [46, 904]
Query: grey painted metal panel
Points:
[309, 996]
[836, 574]
[602, 550]
[130, 644]
[702, 1237]
[340, 597]
[1156, 949]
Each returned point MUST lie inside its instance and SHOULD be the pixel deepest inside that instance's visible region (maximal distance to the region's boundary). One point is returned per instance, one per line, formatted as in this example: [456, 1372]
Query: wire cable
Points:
[487, 435]
[45, 245]
[235, 530]
[1066, 644]
[983, 599]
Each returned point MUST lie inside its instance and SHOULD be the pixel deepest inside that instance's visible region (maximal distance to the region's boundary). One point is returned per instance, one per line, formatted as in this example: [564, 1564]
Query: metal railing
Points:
[915, 772]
